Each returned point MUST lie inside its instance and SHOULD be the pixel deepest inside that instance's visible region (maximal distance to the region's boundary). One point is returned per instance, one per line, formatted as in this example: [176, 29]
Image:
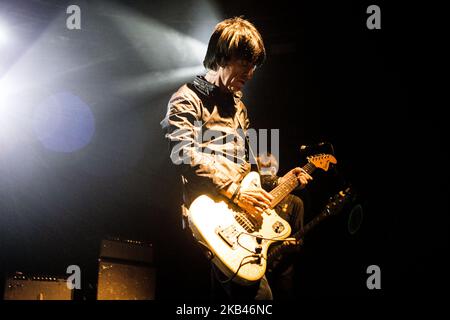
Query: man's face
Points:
[236, 73]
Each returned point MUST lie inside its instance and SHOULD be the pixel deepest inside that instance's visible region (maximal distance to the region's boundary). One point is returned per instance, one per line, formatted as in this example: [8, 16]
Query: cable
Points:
[262, 238]
[253, 255]
[237, 271]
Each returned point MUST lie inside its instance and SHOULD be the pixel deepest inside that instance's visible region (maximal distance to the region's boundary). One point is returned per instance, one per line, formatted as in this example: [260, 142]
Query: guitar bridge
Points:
[229, 235]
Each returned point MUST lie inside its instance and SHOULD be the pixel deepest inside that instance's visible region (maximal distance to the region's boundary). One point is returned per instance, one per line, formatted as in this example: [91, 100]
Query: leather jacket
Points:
[206, 131]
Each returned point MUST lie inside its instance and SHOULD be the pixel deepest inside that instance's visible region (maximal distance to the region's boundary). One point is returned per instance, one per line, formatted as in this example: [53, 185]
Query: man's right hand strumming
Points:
[254, 200]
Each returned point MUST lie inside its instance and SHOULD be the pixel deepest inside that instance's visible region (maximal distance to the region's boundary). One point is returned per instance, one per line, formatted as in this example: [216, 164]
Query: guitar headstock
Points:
[338, 201]
[322, 160]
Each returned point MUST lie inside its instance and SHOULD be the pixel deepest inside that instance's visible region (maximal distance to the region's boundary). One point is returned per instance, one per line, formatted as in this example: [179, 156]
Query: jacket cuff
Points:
[230, 190]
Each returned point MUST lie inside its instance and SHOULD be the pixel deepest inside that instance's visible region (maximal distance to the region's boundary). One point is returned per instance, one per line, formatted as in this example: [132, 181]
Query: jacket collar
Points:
[209, 89]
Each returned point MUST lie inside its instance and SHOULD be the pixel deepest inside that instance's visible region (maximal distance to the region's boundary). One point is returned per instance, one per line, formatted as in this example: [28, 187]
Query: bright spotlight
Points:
[158, 44]
[171, 57]
[154, 82]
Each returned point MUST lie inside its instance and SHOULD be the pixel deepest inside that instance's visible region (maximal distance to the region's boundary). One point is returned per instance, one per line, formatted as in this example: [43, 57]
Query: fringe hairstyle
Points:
[234, 38]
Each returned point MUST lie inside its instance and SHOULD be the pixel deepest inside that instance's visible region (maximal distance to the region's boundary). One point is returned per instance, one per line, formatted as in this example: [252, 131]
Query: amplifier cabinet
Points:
[19, 287]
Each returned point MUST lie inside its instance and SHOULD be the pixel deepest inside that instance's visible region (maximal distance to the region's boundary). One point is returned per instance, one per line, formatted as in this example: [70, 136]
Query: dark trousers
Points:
[231, 291]
[281, 273]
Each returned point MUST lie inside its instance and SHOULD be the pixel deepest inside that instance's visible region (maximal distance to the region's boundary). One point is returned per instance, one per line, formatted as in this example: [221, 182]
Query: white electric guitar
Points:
[236, 241]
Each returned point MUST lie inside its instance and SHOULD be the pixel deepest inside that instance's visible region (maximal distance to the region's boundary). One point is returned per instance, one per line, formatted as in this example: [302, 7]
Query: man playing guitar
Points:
[216, 166]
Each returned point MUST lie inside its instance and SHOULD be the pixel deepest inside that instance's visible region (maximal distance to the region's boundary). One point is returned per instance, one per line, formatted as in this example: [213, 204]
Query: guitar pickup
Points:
[229, 235]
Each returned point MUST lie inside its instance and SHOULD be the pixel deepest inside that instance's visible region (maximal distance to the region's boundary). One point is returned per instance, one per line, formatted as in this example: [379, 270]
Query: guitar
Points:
[333, 207]
[237, 242]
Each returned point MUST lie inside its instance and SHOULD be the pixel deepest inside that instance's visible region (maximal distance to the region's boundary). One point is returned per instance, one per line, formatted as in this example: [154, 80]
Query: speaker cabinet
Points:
[121, 281]
[126, 271]
[127, 250]
[20, 287]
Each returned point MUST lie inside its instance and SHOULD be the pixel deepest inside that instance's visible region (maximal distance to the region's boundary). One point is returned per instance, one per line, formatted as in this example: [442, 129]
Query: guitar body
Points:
[238, 245]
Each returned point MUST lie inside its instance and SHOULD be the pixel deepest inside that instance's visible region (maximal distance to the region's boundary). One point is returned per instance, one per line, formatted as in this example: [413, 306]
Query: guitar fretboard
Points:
[289, 184]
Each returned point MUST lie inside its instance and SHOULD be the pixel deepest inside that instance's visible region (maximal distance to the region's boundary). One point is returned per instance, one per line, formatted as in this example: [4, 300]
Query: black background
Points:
[327, 78]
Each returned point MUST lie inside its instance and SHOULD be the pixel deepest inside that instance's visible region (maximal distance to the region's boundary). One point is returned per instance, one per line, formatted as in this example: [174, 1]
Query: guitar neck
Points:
[276, 251]
[289, 184]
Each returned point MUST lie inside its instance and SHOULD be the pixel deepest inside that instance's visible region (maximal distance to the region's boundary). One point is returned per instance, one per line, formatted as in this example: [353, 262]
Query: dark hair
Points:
[234, 38]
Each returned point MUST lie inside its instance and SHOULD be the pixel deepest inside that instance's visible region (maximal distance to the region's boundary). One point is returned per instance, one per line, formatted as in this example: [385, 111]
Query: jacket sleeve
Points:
[184, 131]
